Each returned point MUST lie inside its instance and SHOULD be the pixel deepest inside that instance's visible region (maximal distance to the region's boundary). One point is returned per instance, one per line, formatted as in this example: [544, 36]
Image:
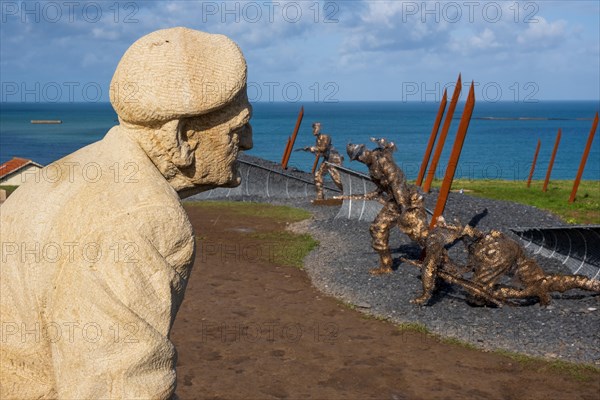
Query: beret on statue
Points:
[177, 73]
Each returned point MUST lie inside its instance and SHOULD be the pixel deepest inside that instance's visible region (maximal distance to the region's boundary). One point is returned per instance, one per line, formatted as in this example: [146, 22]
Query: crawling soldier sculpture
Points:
[493, 255]
[402, 204]
[438, 264]
[323, 148]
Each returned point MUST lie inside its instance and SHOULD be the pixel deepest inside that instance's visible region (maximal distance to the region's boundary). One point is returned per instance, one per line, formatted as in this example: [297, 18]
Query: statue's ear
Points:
[179, 148]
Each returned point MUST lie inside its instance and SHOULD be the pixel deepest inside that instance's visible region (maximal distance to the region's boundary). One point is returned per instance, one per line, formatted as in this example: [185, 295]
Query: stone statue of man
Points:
[96, 253]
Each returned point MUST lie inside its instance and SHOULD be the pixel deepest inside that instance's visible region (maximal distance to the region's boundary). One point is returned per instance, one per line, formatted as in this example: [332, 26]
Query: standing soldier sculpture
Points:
[402, 204]
[323, 148]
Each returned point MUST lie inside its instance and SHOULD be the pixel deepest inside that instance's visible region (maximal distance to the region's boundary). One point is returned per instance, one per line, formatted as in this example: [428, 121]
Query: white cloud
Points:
[373, 42]
[543, 34]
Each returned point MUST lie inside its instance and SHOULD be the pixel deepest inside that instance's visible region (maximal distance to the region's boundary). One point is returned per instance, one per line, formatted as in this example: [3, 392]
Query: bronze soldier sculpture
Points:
[491, 256]
[324, 149]
[402, 204]
[438, 264]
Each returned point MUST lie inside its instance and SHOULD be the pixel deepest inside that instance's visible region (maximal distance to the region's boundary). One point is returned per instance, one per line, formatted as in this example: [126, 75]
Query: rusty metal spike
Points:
[287, 154]
[551, 164]
[440, 144]
[535, 156]
[432, 137]
[454, 156]
[586, 152]
[286, 150]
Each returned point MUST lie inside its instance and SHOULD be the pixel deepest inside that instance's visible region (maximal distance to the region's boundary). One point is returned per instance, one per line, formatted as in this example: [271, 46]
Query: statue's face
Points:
[215, 139]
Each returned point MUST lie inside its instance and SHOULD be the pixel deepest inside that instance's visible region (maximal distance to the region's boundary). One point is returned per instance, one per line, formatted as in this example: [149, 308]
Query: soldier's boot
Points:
[385, 264]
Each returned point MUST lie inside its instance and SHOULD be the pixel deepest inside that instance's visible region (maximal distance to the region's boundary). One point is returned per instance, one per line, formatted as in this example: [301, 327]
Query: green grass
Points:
[414, 327]
[584, 210]
[287, 248]
[457, 342]
[417, 327]
[9, 189]
[580, 372]
[249, 209]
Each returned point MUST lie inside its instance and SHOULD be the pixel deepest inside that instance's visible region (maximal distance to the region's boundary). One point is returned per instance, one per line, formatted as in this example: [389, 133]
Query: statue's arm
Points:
[120, 310]
[400, 191]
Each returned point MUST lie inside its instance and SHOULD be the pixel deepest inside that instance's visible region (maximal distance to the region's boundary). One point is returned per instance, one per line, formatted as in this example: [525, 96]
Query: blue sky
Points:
[318, 50]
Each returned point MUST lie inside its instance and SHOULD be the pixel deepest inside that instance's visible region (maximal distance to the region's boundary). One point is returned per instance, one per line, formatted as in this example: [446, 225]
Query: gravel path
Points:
[568, 329]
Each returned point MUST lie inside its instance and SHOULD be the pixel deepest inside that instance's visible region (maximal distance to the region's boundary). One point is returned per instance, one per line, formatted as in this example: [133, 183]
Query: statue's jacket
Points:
[96, 255]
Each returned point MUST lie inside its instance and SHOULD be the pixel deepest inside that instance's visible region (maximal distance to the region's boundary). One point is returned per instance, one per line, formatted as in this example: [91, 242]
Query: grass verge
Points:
[580, 372]
[9, 189]
[289, 249]
[250, 209]
[285, 248]
[584, 210]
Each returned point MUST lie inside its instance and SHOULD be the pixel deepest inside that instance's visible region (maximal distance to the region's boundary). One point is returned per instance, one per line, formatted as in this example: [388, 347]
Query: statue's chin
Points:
[235, 181]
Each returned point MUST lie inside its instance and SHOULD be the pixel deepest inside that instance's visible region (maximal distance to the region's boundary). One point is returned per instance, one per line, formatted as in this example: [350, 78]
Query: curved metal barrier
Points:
[357, 184]
[268, 180]
[577, 247]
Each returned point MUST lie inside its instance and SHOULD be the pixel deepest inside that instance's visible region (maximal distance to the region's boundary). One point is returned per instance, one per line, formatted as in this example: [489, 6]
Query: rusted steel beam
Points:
[551, 164]
[535, 156]
[293, 139]
[454, 156]
[432, 136]
[286, 150]
[586, 153]
[440, 144]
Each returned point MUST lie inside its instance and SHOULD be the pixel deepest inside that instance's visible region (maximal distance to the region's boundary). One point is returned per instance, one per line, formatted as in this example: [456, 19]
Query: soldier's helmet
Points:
[355, 150]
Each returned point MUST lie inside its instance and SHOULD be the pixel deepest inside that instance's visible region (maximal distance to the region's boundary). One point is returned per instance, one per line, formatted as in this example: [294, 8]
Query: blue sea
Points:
[500, 142]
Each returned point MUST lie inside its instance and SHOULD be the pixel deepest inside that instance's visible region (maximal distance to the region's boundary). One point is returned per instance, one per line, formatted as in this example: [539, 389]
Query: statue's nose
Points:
[246, 137]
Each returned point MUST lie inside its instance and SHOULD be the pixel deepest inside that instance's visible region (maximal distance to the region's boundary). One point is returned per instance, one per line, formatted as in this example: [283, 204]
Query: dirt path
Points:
[250, 329]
